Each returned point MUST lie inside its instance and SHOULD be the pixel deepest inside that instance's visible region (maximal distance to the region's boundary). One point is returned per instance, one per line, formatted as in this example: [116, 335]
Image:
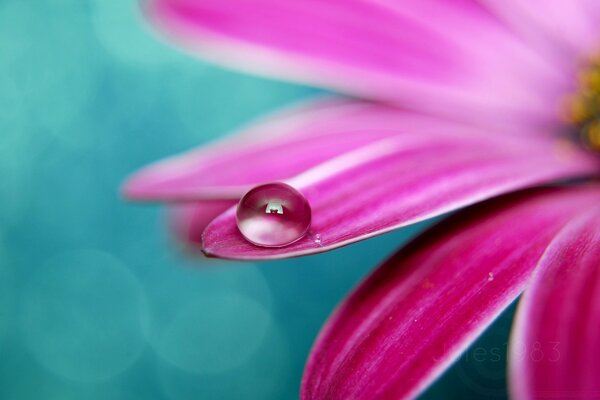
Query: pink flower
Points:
[469, 101]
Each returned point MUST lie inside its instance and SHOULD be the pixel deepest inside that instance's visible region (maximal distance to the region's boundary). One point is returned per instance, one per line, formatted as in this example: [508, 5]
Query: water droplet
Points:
[273, 215]
[318, 239]
[490, 276]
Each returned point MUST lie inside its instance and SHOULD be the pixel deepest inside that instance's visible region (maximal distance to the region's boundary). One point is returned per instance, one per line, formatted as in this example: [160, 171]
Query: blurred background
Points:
[97, 301]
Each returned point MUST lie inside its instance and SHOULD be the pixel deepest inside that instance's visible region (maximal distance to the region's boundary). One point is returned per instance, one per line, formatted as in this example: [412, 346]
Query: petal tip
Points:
[136, 187]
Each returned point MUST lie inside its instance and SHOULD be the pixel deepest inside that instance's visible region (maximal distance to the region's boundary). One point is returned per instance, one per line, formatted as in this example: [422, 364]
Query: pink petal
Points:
[415, 314]
[396, 182]
[189, 220]
[448, 57]
[277, 148]
[569, 28]
[555, 347]
[280, 148]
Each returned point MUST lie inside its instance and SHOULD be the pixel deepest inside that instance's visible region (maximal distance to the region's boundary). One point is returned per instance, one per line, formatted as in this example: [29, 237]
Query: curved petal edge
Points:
[555, 346]
[403, 326]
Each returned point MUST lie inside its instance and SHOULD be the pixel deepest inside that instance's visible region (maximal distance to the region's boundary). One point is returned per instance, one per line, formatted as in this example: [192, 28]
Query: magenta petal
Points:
[572, 25]
[452, 58]
[415, 314]
[396, 182]
[280, 148]
[555, 346]
[188, 220]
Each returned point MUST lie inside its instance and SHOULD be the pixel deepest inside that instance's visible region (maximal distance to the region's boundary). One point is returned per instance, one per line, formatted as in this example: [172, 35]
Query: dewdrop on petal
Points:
[273, 215]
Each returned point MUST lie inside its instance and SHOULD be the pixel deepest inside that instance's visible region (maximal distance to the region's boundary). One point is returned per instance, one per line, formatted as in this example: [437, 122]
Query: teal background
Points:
[97, 301]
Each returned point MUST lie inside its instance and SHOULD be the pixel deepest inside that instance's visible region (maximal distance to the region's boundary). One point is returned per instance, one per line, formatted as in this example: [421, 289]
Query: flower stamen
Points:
[583, 107]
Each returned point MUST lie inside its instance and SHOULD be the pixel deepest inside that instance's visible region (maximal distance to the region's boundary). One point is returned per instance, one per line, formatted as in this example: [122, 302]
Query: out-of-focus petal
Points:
[555, 346]
[394, 182]
[451, 58]
[276, 148]
[419, 311]
[282, 147]
[569, 29]
[188, 220]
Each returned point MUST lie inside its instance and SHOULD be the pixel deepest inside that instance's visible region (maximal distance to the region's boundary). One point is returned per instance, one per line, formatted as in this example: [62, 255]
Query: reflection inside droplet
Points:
[273, 215]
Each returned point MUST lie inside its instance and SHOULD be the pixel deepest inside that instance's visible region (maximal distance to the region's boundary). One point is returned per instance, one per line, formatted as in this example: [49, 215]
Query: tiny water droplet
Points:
[318, 239]
[273, 215]
[490, 276]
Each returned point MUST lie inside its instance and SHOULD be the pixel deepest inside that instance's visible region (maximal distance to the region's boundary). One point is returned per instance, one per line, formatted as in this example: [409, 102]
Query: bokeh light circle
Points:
[192, 282]
[215, 333]
[81, 316]
[267, 374]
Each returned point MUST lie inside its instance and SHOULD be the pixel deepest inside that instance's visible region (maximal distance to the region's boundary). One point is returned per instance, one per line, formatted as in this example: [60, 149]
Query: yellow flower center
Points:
[583, 107]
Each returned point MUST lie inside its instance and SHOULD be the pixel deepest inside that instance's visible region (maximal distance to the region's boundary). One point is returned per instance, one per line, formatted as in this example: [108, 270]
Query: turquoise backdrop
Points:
[96, 299]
